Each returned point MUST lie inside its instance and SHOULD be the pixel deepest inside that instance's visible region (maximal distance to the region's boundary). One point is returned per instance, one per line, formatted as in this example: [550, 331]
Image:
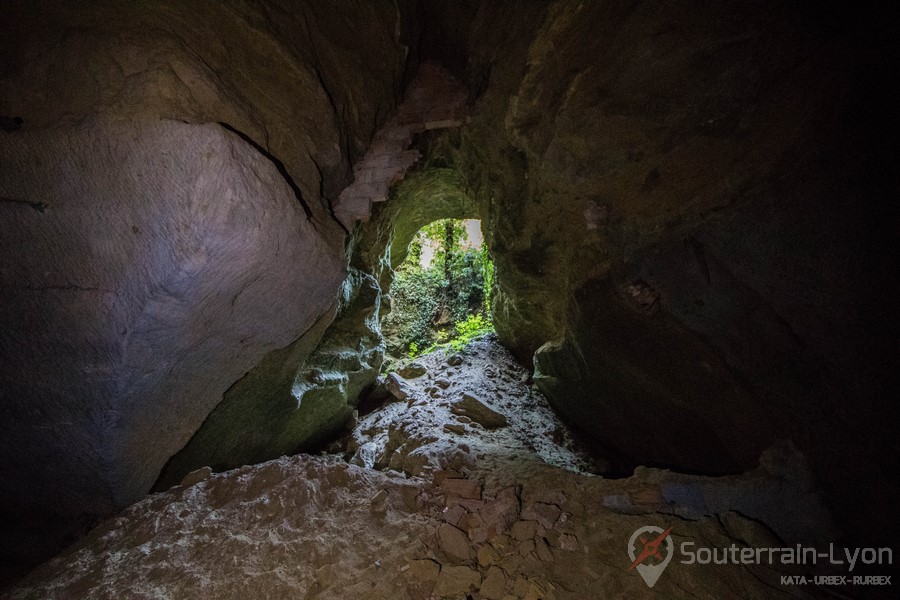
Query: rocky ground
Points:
[461, 485]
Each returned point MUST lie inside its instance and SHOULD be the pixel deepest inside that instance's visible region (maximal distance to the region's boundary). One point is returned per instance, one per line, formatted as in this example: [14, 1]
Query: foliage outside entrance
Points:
[441, 293]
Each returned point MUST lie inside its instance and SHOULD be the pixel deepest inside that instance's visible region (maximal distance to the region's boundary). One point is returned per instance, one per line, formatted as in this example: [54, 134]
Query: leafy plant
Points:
[474, 326]
[447, 300]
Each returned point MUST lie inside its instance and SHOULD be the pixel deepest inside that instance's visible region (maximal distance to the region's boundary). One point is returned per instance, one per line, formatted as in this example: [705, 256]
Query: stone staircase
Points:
[434, 100]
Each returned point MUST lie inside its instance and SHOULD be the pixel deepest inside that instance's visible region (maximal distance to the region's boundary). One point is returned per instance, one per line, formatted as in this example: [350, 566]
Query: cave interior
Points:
[689, 206]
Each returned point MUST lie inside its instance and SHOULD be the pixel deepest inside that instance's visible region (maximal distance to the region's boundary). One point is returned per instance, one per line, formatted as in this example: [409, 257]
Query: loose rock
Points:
[412, 370]
[478, 411]
[456, 580]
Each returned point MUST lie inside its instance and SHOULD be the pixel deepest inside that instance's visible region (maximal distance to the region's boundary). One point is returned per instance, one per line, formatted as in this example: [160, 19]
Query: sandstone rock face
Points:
[165, 178]
[171, 257]
[681, 208]
[296, 398]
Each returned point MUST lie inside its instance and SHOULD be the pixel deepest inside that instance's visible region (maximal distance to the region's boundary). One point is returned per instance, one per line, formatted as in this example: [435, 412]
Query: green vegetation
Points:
[445, 302]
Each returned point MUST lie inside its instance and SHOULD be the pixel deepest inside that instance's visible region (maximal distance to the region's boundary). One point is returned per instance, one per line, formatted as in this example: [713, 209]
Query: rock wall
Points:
[682, 202]
[166, 171]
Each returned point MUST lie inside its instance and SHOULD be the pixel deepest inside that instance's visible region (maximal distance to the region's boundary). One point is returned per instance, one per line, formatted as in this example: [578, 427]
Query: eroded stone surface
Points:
[148, 288]
[303, 527]
[184, 157]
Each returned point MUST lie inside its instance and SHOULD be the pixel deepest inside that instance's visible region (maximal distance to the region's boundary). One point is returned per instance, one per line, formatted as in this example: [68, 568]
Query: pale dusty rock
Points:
[568, 542]
[397, 386]
[470, 406]
[197, 476]
[276, 529]
[454, 542]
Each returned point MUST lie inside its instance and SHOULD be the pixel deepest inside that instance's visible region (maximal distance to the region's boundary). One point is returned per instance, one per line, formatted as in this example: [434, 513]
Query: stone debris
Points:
[396, 385]
[457, 580]
[493, 587]
[415, 430]
[545, 514]
[423, 570]
[195, 477]
[454, 542]
[412, 370]
[524, 530]
[473, 408]
[448, 516]
[461, 488]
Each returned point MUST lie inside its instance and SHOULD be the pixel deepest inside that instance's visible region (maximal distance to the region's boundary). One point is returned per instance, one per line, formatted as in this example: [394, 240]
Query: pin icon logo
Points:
[644, 548]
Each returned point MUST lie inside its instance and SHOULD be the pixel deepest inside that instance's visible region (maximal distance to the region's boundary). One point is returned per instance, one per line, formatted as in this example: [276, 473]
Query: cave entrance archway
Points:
[431, 195]
[441, 292]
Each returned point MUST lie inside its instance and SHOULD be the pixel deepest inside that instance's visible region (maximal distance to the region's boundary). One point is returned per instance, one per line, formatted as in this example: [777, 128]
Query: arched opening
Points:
[441, 292]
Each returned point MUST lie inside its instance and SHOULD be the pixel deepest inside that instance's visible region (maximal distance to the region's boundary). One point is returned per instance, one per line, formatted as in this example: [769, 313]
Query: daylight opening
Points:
[441, 293]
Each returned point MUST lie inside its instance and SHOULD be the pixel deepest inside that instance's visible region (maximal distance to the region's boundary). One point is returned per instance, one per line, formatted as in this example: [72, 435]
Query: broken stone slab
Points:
[442, 383]
[478, 411]
[543, 551]
[454, 581]
[452, 514]
[462, 488]
[486, 555]
[454, 542]
[499, 514]
[494, 585]
[440, 476]
[423, 570]
[457, 429]
[545, 514]
[195, 477]
[524, 530]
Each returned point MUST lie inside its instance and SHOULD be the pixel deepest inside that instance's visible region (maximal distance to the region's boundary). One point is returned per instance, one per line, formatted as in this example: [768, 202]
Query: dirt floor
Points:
[459, 483]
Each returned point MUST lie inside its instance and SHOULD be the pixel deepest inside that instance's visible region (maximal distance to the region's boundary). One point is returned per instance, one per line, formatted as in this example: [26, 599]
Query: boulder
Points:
[479, 412]
[412, 370]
